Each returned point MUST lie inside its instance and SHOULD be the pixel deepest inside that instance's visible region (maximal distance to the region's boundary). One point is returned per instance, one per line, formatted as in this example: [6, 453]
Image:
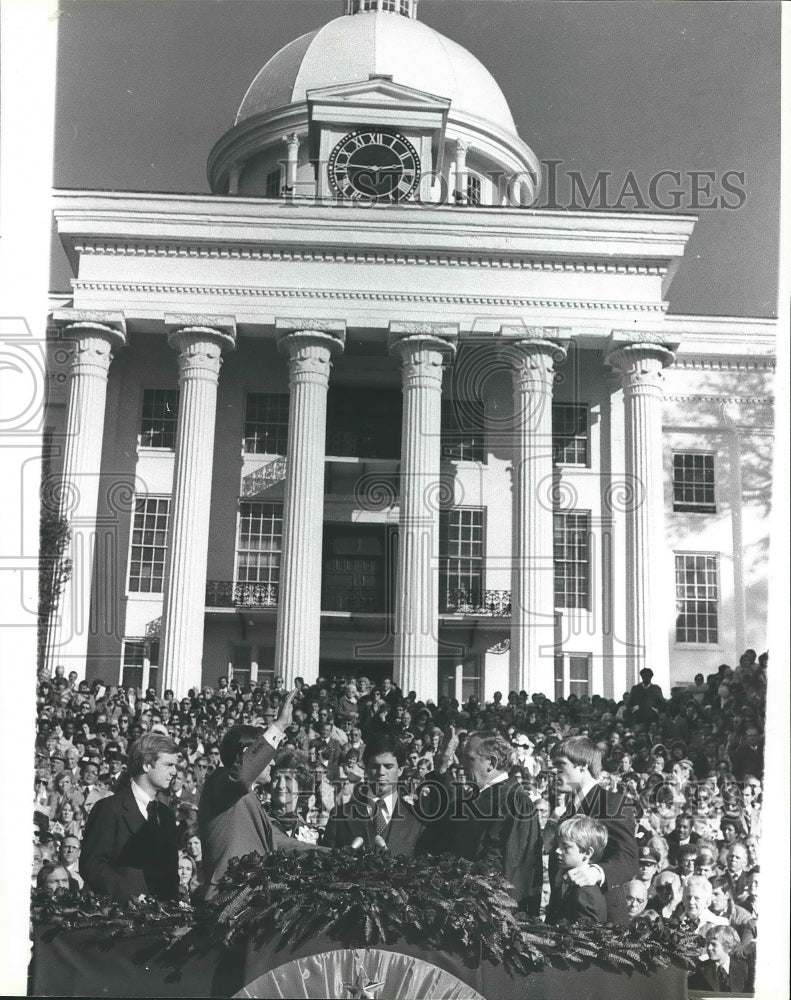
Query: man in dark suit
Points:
[232, 821]
[378, 814]
[645, 699]
[130, 843]
[680, 836]
[490, 819]
[577, 763]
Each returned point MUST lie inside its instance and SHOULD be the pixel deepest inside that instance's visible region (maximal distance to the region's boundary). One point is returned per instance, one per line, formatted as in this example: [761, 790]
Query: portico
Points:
[536, 292]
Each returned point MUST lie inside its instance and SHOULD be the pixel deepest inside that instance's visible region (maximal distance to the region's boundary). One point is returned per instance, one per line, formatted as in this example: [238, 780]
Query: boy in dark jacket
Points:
[581, 841]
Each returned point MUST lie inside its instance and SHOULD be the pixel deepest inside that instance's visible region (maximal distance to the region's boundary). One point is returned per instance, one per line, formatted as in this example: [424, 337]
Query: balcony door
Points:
[354, 568]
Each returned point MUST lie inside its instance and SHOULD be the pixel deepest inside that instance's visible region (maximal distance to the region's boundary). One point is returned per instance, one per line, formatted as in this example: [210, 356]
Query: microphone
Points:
[357, 843]
[379, 842]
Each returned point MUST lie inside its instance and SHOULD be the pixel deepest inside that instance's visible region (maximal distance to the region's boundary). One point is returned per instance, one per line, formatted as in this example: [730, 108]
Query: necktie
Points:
[380, 822]
[151, 809]
[724, 979]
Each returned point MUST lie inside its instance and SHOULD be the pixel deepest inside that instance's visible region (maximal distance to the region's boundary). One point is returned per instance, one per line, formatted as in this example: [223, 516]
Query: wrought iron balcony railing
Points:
[264, 476]
[227, 594]
[494, 603]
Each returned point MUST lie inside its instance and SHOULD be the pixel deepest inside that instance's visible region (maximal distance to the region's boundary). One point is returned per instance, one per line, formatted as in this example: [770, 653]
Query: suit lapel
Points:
[397, 826]
[131, 813]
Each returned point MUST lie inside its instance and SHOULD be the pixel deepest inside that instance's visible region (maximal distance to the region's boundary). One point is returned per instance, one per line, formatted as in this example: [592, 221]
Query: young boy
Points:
[721, 971]
[581, 841]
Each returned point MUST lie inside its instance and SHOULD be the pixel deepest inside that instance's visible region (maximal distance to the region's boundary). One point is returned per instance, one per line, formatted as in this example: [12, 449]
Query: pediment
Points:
[378, 91]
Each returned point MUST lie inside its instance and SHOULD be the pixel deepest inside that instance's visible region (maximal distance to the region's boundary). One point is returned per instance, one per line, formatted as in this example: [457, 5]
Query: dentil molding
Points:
[336, 256]
[246, 291]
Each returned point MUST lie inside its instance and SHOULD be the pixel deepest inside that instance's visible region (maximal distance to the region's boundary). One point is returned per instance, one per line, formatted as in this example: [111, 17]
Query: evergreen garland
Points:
[375, 898]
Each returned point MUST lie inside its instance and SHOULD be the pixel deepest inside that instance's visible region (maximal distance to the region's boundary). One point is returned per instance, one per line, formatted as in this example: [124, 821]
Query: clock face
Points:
[374, 165]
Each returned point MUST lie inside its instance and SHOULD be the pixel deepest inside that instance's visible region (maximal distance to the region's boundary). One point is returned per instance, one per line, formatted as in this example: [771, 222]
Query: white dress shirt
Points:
[387, 806]
[141, 798]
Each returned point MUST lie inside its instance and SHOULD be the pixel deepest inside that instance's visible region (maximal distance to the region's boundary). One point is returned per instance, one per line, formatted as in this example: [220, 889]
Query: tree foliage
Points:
[54, 570]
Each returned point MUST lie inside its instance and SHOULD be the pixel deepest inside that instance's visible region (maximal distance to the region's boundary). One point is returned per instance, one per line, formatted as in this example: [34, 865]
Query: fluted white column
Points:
[200, 345]
[310, 349]
[94, 336]
[640, 366]
[532, 664]
[422, 351]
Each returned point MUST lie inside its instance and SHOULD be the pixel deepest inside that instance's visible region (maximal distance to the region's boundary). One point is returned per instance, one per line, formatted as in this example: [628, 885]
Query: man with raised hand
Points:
[232, 821]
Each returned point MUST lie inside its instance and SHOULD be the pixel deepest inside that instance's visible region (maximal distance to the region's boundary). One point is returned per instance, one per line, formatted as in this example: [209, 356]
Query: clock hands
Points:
[375, 170]
[372, 165]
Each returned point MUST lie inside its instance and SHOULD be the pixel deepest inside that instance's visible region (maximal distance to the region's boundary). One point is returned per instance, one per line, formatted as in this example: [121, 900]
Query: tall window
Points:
[570, 433]
[241, 663]
[158, 422]
[693, 483]
[572, 674]
[473, 190]
[266, 665]
[471, 678]
[697, 594]
[272, 188]
[259, 544]
[133, 663]
[149, 545]
[462, 430]
[140, 663]
[572, 558]
[461, 555]
[460, 679]
[266, 423]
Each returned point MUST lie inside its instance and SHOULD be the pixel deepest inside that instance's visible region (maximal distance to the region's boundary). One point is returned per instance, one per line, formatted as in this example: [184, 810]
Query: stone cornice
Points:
[725, 363]
[351, 256]
[719, 398]
[218, 221]
[246, 291]
[707, 329]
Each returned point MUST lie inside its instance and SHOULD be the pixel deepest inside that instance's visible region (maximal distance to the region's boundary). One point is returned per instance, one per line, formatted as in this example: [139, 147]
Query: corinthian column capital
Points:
[423, 349]
[310, 345]
[200, 342]
[533, 361]
[640, 366]
[94, 335]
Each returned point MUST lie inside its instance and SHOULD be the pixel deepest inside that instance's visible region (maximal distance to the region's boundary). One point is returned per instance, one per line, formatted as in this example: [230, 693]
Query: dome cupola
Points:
[377, 71]
[407, 8]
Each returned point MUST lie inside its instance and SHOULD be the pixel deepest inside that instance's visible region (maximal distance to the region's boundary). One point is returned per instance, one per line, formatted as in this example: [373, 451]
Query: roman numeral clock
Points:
[374, 165]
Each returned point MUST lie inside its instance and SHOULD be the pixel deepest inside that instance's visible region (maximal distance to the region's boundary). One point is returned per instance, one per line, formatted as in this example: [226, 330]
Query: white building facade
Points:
[362, 411]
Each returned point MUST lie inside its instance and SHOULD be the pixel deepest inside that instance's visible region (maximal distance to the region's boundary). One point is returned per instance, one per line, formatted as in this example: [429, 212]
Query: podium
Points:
[83, 963]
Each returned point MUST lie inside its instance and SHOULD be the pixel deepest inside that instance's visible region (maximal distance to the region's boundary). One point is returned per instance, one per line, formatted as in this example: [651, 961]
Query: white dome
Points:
[352, 48]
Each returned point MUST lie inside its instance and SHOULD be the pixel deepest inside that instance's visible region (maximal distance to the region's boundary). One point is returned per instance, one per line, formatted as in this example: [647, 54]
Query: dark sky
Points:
[145, 87]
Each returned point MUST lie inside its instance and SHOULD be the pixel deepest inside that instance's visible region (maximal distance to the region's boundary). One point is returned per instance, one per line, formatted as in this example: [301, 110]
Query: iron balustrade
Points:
[263, 477]
[227, 594]
[494, 603]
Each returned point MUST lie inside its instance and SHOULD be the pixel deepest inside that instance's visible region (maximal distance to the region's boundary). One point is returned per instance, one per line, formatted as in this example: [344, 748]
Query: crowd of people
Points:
[644, 810]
